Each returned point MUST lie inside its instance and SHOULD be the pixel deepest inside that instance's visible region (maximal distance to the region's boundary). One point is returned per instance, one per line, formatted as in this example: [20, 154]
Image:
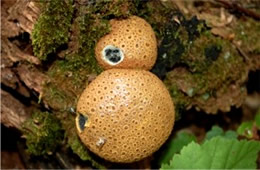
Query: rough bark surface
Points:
[20, 79]
[13, 112]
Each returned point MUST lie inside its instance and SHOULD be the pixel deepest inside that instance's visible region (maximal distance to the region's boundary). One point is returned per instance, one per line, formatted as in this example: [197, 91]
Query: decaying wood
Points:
[13, 112]
[10, 79]
[17, 17]
[20, 79]
[234, 5]
[24, 14]
[15, 54]
[18, 71]
[32, 77]
[9, 28]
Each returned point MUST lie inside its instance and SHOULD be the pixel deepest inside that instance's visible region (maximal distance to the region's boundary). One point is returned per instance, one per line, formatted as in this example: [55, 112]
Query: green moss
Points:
[156, 14]
[204, 75]
[43, 133]
[205, 64]
[177, 40]
[212, 52]
[52, 28]
[113, 8]
[69, 76]
[73, 71]
[91, 30]
[202, 53]
[224, 70]
[180, 101]
[247, 33]
[56, 97]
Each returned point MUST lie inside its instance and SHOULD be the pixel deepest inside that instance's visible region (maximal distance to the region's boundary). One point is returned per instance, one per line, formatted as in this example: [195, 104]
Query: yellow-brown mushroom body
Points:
[130, 44]
[125, 115]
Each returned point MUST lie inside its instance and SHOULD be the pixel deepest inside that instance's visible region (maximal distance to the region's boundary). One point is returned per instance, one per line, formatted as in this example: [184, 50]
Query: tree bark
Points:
[20, 79]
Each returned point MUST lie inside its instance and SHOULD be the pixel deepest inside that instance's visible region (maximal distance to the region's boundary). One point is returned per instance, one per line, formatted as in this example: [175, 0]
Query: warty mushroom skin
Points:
[125, 115]
[130, 44]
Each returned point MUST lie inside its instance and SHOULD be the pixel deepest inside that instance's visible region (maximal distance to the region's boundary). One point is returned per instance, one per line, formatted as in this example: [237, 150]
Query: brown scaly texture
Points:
[136, 38]
[130, 110]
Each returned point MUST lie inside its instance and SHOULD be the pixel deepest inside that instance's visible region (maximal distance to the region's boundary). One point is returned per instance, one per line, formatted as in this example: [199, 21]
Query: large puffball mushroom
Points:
[125, 115]
[130, 44]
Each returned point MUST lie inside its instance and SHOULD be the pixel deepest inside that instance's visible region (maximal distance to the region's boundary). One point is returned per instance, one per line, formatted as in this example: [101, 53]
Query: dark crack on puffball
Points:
[82, 121]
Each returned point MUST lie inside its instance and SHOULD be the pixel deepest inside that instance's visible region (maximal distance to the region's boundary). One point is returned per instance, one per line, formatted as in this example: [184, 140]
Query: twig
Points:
[235, 6]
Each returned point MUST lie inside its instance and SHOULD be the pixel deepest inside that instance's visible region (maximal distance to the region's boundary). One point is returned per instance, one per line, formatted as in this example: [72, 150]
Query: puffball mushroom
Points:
[130, 44]
[125, 115]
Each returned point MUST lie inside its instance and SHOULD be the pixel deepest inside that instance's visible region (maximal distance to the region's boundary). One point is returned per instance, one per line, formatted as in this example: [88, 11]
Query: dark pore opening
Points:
[113, 55]
[82, 121]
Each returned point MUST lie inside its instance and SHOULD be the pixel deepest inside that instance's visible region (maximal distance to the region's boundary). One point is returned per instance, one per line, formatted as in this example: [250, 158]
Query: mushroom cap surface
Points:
[125, 115]
[134, 38]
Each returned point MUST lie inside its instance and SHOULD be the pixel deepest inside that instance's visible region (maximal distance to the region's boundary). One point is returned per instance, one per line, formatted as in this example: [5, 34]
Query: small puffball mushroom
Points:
[125, 115]
[131, 43]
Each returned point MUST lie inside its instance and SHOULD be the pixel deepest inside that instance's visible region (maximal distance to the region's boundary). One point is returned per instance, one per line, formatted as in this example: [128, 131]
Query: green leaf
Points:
[217, 153]
[230, 134]
[245, 129]
[191, 157]
[217, 131]
[175, 145]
